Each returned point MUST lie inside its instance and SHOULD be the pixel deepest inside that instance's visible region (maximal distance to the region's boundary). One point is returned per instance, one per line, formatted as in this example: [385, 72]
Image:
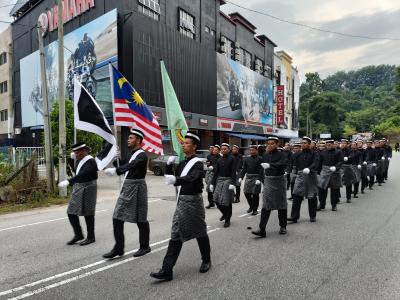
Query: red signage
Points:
[280, 105]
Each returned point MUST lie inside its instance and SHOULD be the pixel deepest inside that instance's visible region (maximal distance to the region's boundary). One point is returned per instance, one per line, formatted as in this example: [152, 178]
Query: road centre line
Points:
[23, 287]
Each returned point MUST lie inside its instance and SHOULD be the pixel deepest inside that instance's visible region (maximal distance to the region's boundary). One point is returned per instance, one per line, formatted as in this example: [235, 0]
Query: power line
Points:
[314, 28]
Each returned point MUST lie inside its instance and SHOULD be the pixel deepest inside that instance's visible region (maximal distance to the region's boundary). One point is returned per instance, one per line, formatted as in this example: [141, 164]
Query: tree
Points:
[92, 140]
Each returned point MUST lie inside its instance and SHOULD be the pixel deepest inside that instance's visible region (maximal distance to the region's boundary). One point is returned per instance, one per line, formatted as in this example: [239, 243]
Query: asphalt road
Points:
[353, 253]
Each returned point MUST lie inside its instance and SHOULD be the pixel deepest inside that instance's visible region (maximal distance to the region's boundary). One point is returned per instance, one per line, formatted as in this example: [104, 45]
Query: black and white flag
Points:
[89, 117]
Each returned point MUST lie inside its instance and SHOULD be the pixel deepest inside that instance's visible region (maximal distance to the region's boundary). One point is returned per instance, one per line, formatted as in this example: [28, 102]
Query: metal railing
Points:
[24, 154]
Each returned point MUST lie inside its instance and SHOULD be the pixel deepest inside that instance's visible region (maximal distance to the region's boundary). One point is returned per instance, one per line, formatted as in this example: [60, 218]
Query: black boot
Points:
[113, 253]
[90, 230]
[292, 220]
[205, 266]
[282, 230]
[75, 239]
[162, 275]
[74, 220]
[260, 233]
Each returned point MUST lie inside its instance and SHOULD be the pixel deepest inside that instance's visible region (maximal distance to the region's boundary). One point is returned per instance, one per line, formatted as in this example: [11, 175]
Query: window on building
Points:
[3, 58]
[259, 65]
[229, 47]
[245, 58]
[3, 87]
[4, 115]
[186, 24]
[209, 31]
[150, 8]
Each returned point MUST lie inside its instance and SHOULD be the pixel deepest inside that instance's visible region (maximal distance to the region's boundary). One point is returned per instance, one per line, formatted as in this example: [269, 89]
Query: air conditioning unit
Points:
[222, 45]
[267, 70]
[257, 66]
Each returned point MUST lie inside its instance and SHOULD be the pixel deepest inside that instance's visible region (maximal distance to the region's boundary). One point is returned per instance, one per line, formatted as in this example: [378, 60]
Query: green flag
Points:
[175, 118]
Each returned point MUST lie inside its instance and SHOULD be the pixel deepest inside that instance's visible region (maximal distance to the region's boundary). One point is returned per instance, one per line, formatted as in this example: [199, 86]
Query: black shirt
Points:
[252, 165]
[357, 157]
[238, 162]
[331, 158]
[212, 159]
[225, 167]
[277, 161]
[349, 154]
[192, 183]
[88, 172]
[370, 155]
[306, 159]
[136, 169]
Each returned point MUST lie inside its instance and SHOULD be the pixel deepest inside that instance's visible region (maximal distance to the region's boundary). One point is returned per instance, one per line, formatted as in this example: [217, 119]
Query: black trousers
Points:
[323, 194]
[291, 188]
[210, 199]
[288, 183]
[364, 183]
[237, 193]
[349, 191]
[226, 211]
[356, 188]
[253, 200]
[144, 234]
[379, 178]
[371, 181]
[74, 220]
[175, 246]
[265, 214]
[296, 206]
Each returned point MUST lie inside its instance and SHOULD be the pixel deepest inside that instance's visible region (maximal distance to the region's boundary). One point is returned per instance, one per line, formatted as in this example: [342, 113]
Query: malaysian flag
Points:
[131, 111]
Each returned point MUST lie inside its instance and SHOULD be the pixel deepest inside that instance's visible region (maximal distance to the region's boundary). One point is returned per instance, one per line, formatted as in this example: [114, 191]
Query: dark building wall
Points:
[142, 42]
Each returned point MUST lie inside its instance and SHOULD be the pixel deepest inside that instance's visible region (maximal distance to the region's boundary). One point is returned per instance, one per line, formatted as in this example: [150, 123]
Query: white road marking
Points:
[59, 219]
[43, 222]
[43, 289]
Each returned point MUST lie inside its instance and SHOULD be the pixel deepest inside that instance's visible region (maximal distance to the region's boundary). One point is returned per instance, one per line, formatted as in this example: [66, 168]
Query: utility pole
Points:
[46, 120]
[62, 166]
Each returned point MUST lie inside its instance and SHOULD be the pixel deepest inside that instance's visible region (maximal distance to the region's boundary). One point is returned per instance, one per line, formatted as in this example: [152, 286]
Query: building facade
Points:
[6, 128]
[222, 71]
[287, 98]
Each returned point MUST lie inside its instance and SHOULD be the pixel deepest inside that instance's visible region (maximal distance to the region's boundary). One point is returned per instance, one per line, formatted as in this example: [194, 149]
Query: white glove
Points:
[211, 188]
[359, 167]
[389, 158]
[240, 180]
[210, 168]
[265, 165]
[345, 158]
[306, 171]
[72, 155]
[171, 160]
[364, 163]
[374, 164]
[333, 169]
[258, 182]
[170, 179]
[231, 187]
[110, 171]
[285, 173]
[63, 184]
[383, 158]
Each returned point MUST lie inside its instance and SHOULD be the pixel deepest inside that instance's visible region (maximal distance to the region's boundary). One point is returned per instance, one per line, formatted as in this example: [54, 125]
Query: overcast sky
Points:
[314, 51]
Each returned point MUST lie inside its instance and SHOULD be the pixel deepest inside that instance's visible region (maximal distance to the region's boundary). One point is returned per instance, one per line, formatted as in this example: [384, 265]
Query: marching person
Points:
[292, 170]
[380, 158]
[238, 166]
[132, 203]
[223, 181]
[84, 194]
[370, 159]
[189, 217]
[389, 153]
[288, 152]
[364, 177]
[306, 184]
[349, 178]
[211, 161]
[274, 193]
[254, 177]
[356, 165]
[330, 163]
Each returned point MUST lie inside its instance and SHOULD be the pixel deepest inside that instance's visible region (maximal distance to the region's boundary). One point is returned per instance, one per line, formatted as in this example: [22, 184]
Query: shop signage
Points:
[48, 20]
[280, 104]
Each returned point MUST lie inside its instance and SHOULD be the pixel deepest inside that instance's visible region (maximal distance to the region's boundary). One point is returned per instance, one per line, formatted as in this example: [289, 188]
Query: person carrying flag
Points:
[132, 203]
[189, 217]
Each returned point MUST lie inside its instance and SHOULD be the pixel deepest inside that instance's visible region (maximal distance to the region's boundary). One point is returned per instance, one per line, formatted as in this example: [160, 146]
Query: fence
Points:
[24, 154]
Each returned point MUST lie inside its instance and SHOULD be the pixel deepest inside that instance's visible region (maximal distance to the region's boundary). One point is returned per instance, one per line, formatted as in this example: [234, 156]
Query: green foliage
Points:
[92, 140]
[349, 102]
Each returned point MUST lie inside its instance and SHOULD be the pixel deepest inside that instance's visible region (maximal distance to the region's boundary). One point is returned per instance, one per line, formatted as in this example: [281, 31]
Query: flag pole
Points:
[115, 126]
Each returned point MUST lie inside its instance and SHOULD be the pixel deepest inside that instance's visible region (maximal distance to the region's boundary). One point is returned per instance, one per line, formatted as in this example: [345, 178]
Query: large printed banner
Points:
[243, 94]
[87, 52]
